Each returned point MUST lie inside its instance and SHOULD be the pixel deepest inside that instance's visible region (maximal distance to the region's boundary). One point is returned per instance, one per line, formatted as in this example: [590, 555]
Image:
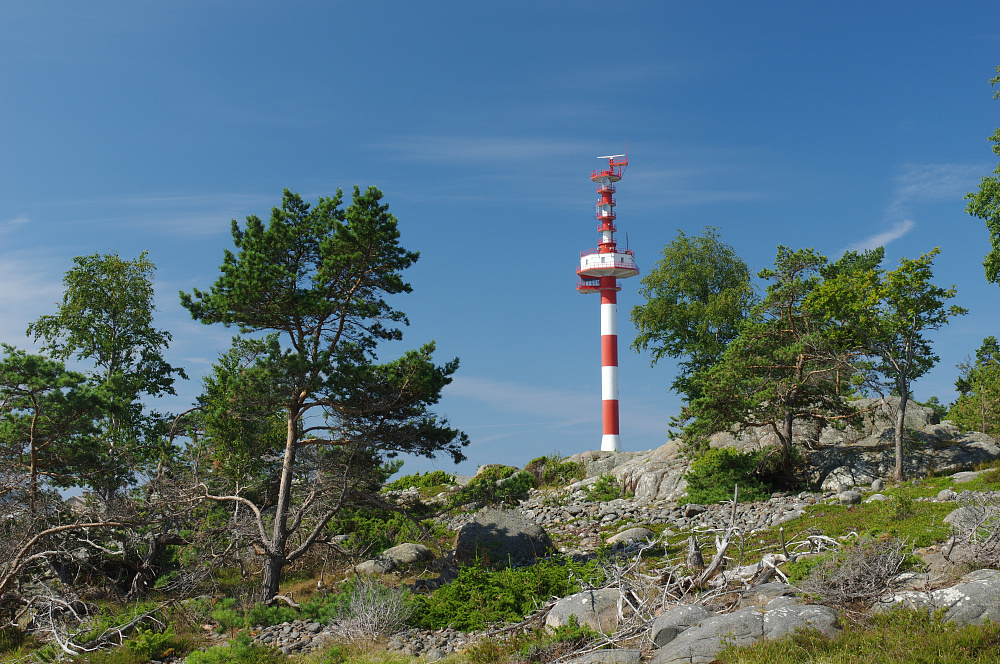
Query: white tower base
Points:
[611, 443]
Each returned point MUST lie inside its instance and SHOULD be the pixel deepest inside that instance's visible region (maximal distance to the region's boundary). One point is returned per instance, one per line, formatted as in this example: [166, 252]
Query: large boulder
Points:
[598, 609]
[700, 645]
[614, 656]
[399, 557]
[675, 620]
[630, 535]
[974, 600]
[501, 537]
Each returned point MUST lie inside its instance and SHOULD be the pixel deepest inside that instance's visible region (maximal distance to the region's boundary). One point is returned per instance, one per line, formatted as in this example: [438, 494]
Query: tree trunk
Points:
[904, 397]
[786, 448]
[275, 549]
[271, 577]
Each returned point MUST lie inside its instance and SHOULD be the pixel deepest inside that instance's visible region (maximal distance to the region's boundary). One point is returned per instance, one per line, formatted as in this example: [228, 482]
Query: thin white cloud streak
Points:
[478, 150]
[920, 183]
[187, 215]
[564, 408]
[30, 286]
[897, 231]
[559, 405]
[931, 182]
[11, 224]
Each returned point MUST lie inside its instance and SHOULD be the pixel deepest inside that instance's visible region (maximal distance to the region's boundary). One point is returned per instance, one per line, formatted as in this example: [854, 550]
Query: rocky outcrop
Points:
[701, 643]
[974, 600]
[841, 457]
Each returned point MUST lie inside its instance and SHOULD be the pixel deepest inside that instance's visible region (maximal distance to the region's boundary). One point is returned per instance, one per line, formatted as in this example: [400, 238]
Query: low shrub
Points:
[604, 489]
[552, 470]
[481, 596]
[426, 480]
[542, 645]
[372, 609]
[715, 473]
[372, 531]
[239, 650]
[858, 574]
[488, 489]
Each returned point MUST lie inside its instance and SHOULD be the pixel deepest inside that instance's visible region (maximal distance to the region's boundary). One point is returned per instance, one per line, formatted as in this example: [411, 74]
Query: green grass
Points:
[899, 637]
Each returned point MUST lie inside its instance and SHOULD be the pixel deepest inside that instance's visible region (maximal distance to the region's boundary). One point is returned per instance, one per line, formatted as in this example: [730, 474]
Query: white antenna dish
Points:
[611, 156]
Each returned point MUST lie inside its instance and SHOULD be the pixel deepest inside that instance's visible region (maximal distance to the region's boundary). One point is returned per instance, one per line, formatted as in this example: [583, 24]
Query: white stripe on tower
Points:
[610, 441]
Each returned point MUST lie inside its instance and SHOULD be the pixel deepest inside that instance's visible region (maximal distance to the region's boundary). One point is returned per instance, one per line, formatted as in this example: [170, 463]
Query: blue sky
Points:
[131, 126]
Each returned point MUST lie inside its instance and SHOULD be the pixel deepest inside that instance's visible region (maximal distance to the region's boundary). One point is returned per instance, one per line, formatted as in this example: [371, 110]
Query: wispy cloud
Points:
[931, 182]
[30, 285]
[898, 230]
[919, 183]
[181, 214]
[553, 405]
[685, 186]
[8, 225]
[457, 149]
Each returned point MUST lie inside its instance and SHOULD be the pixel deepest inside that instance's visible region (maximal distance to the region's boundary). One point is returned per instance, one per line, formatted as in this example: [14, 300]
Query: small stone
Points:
[849, 497]
[878, 484]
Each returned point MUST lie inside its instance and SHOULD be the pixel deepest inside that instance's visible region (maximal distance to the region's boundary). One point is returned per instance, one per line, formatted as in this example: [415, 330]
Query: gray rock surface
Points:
[849, 497]
[972, 601]
[596, 608]
[765, 593]
[398, 557]
[631, 535]
[700, 645]
[675, 620]
[616, 656]
[501, 537]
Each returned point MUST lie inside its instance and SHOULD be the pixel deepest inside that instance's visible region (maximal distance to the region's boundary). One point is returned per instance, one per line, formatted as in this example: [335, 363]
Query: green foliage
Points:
[48, 422]
[785, 363]
[978, 405]
[11, 639]
[106, 319]
[604, 489]
[552, 470]
[425, 481]
[150, 644]
[239, 650]
[495, 472]
[309, 293]
[543, 645]
[802, 567]
[940, 410]
[881, 639]
[985, 203]
[481, 596]
[885, 316]
[714, 475]
[226, 614]
[373, 530]
[496, 487]
[696, 296]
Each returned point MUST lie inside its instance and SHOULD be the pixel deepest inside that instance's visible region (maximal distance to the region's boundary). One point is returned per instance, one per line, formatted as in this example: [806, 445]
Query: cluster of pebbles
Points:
[432, 645]
[298, 636]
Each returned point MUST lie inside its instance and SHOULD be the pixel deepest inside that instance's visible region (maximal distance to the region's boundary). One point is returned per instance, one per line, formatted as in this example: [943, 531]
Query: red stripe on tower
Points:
[599, 272]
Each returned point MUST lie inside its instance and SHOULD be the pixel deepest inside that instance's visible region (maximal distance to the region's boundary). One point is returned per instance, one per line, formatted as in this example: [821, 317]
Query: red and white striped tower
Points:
[599, 272]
